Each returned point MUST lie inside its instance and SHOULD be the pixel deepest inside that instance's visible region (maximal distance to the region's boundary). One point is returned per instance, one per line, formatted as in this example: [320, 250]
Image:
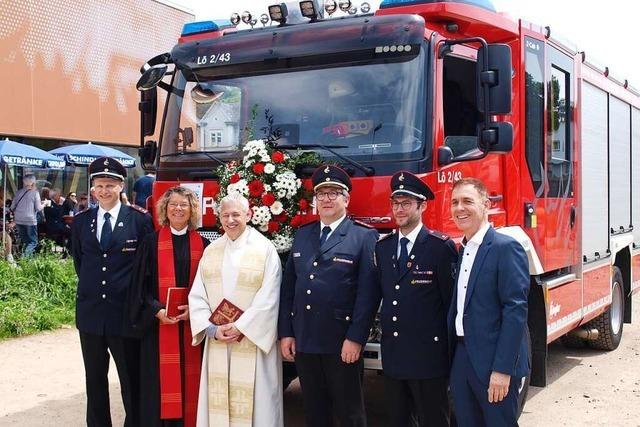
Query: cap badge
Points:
[327, 179]
[326, 170]
[401, 177]
[106, 169]
[106, 162]
[401, 187]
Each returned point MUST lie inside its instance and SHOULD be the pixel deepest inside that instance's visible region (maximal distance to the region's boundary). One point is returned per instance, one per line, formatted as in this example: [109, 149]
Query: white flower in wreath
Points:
[264, 228]
[276, 208]
[267, 188]
[261, 215]
[282, 193]
[269, 168]
[282, 242]
[239, 187]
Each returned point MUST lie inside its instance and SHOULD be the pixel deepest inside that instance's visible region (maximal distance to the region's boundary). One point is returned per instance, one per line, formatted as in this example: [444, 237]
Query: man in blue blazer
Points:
[105, 240]
[488, 315]
[415, 268]
[327, 304]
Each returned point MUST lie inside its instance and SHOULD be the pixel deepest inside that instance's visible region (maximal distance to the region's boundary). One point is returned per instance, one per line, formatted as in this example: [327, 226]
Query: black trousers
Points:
[331, 389]
[126, 355]
[422, 402]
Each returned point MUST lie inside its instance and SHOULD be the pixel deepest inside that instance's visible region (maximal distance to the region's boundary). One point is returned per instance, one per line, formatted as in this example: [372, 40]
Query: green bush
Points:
[36, 295]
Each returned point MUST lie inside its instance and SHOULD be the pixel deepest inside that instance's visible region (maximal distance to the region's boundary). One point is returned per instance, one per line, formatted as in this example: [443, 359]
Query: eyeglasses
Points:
[332, 195]
[174, 205]
[404, 205]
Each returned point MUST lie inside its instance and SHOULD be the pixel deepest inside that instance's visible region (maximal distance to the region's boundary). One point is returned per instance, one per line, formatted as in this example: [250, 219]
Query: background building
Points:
[68, 72]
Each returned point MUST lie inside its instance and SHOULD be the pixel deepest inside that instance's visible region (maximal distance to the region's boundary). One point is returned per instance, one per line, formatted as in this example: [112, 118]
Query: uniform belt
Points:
[460, 339]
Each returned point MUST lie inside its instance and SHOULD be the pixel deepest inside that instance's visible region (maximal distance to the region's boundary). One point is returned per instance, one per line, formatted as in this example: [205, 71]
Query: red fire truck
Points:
[446, 90]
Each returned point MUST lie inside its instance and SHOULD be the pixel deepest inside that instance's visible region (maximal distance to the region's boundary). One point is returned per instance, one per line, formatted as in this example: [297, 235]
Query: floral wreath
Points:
[276, 195]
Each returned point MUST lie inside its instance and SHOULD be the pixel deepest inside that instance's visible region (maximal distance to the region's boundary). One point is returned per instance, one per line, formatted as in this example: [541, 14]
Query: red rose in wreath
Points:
[277, 157]
[258, 168]
[256, 188]
[303, 204]
[273, 226]
[268, 199]
[234, 178]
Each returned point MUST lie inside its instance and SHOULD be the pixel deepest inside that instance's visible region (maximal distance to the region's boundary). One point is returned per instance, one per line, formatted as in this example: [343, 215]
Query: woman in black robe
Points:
[177, 212]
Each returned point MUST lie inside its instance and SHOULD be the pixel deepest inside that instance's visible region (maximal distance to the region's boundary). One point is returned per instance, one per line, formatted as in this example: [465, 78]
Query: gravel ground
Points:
[42, 384]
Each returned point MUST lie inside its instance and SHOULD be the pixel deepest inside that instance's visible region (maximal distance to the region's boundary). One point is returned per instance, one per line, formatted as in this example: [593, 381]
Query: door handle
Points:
[572, 216]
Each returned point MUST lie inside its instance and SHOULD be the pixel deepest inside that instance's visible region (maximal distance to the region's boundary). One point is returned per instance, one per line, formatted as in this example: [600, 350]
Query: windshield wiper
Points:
[366, 169]
[184, 153]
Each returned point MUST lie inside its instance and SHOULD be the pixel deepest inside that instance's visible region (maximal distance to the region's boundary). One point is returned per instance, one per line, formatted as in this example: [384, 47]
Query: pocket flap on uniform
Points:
[344, 315]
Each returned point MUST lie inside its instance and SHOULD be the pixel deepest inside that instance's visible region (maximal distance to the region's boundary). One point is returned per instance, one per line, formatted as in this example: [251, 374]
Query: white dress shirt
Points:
[468, 258]
[333, 226]
[412, 236]
[114, 218]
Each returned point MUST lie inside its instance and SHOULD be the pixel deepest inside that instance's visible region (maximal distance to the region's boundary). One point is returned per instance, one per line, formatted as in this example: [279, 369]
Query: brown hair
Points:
[161, 206]
[475, 183]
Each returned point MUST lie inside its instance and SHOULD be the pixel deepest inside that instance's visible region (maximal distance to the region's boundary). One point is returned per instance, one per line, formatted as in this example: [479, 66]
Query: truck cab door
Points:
[560, 205]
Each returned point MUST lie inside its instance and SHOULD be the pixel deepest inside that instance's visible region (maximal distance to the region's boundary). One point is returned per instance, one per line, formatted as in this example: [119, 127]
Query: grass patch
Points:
[36, 295]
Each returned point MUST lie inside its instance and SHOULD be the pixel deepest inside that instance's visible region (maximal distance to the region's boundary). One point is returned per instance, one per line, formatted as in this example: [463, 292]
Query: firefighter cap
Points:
[407, 184]
[107, 167]
[330, 175]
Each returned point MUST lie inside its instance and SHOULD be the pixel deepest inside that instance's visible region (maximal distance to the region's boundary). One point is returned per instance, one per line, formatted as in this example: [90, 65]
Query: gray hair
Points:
[233, 198]
[54, 192]
[29, 179]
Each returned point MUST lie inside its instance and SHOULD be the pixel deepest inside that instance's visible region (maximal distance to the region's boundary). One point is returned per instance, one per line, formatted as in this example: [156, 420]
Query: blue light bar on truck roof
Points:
[199, 27]
[485, 4]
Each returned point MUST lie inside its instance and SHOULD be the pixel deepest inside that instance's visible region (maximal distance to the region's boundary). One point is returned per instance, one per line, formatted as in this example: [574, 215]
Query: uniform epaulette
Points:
[439, 235]
[362, 224]
[386, 236]
[85, 210]
[139, 209]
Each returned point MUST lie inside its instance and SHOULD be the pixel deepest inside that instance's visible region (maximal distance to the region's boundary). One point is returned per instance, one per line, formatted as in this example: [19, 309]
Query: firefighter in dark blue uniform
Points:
[104, 242]
[415, 271]
[327, 305]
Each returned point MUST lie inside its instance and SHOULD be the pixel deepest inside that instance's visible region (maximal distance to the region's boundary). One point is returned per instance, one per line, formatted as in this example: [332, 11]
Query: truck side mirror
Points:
[495, 81]
[147, 155]
[445, 155]
[498, 138]
[148, 107]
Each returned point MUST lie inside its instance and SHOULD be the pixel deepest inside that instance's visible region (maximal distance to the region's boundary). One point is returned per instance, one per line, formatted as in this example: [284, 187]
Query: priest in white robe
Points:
[241, 379]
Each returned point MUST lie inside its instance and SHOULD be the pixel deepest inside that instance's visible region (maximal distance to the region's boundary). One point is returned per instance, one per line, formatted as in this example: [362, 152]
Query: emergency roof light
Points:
[235, 19]
[485, 4]
[330, 6]
[344, 5]
[198, 27]
[278, 13]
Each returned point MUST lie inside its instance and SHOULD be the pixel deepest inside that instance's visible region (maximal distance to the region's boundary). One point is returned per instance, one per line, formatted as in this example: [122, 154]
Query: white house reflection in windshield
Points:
[374, 111]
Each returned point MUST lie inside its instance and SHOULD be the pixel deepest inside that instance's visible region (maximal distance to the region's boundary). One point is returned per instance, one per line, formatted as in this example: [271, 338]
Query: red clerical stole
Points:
[171, 398]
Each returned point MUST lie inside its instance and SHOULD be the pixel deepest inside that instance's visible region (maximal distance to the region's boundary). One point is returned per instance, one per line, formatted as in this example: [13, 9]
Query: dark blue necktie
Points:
[325, 233]
[404, 254]
[105, 236]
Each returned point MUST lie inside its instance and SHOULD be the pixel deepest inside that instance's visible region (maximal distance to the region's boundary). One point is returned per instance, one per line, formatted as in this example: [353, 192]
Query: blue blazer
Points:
[495, 308]
[414, 328]
[328, 291]
[104, 274]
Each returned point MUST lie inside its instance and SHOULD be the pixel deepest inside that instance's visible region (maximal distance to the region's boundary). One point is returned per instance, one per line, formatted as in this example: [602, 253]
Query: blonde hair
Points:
[475, 183]
[161, 206]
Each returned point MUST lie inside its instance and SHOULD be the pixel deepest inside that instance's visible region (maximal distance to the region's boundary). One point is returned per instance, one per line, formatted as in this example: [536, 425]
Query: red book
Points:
[175, 298]
[226, 312]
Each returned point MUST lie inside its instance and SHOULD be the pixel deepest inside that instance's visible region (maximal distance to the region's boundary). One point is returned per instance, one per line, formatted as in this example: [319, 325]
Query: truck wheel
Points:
[571, 341]
[609, 324]
[523, 387]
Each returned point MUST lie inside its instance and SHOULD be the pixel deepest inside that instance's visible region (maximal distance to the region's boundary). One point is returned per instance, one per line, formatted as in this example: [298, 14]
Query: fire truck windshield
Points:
[370, 113]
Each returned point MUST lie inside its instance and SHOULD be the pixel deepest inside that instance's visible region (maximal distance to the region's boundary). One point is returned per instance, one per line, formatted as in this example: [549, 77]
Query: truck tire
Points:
[610, 323]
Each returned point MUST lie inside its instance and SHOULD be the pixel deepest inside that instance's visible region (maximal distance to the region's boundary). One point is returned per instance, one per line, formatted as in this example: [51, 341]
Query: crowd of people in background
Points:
[33, 214]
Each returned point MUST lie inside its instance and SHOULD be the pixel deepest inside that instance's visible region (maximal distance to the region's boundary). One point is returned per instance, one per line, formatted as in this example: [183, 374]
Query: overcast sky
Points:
[604, 29]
